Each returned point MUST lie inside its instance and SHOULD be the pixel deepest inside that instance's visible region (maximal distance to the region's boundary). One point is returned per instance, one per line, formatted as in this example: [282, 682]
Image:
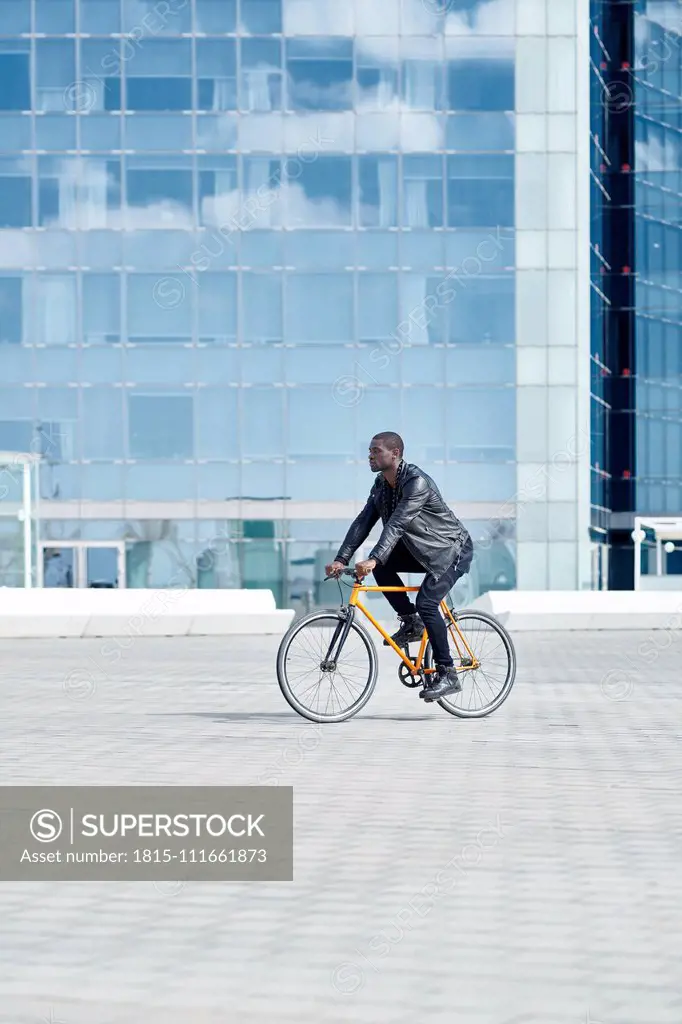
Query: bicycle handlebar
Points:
[345, 572]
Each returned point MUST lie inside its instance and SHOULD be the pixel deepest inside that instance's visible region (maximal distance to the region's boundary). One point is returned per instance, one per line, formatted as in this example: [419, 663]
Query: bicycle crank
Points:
[408, 678]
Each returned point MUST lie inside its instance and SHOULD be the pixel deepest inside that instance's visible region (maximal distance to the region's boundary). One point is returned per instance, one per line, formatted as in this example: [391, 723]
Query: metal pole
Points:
[28, 539]
[659, 556]
[638, 554]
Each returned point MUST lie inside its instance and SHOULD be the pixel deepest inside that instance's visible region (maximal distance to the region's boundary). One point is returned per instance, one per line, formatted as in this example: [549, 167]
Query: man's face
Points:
[381, 457]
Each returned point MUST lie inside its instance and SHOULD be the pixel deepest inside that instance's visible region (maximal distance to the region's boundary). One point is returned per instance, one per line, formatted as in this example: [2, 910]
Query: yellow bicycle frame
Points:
[453, 629]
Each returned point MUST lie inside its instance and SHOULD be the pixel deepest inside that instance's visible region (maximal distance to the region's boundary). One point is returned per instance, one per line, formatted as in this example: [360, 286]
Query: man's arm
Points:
[359, 531]
[414, 497]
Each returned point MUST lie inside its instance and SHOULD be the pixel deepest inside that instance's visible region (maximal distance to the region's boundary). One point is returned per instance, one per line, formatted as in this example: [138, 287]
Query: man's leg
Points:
[428, 602]
[386, 575]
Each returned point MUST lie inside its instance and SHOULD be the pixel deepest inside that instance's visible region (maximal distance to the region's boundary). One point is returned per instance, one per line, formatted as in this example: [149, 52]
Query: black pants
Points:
[430, 595]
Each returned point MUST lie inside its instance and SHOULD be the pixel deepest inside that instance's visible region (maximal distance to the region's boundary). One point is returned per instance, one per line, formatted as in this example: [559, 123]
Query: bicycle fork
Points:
[346, 615]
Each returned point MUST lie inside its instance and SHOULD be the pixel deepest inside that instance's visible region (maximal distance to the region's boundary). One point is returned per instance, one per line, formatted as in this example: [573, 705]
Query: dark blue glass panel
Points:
[15, 81]
[159, 93]
[154, 186]
[481, 84]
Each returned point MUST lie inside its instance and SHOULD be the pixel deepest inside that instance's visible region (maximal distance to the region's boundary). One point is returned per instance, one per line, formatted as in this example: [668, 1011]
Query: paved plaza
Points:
[556, 823]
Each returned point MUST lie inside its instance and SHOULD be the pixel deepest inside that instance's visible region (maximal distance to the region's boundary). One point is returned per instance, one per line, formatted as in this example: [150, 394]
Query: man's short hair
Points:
[391, 440]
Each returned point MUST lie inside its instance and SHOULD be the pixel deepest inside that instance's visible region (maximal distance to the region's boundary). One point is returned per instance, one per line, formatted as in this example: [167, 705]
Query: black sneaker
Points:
[444, 682]
[412, 629]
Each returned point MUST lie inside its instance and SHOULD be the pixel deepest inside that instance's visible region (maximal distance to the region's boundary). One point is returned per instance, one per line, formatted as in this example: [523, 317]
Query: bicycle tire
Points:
[282, 678]
[445, 702]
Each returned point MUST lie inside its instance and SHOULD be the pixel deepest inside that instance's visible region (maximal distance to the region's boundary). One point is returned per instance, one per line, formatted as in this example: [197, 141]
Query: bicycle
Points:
[350, 647]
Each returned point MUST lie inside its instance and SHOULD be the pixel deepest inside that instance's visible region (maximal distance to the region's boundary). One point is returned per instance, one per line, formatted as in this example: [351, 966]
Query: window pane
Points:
[159, 93]
[423, 191]
[159, 364]
[216, 17]
[334, 431]
[16, 17]
[15, 130]
[157, 19]
[55, 72]
[55, 132]
[481, 84]
[480, 132]
[160, 426]
[147, 187]
[377, 306]
[11, 309]
[15, 81]
[158, 307]
[260, 17]
[100, 17]
[262, 307]
[261, 75]
[217, 430]
[216, 296]
[319, 307]
[102, 436]
[482, 309]
[55, 17]
[53, 311]
[378, 188]
[262, 417]
[481, 423]
[101, 68]
[427, 430]
[319, 84]
[480, 191]
[15, 196]
[321, 194]
[217, 74]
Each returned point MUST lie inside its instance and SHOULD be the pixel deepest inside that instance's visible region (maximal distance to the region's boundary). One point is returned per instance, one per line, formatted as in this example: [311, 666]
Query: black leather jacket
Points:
[421, 519]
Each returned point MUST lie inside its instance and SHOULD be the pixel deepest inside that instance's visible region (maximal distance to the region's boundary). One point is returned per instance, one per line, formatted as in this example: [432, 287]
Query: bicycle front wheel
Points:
[321, 679]
[488, 682]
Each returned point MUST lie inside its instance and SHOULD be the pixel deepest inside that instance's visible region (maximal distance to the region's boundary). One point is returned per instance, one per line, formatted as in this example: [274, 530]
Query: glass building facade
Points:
[238, 237]
[658, 232]
[636, 174]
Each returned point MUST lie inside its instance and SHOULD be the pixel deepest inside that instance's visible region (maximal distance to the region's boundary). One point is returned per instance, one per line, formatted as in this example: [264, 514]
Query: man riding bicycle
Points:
[420, 534]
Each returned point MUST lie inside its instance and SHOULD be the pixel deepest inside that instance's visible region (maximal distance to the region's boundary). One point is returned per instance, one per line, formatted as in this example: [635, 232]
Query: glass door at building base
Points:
[82, 564]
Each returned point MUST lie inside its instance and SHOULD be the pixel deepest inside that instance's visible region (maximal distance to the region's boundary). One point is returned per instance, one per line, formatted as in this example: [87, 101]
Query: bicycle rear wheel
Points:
[321, 679]
[489, 683]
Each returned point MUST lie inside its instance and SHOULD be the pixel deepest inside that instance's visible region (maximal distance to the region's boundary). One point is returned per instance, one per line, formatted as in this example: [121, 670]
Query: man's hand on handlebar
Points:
[335, 569]
[365, 568]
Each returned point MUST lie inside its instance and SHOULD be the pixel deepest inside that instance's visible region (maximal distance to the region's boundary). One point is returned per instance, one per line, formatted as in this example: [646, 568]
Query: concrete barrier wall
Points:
[98, 613]
[520, 610]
